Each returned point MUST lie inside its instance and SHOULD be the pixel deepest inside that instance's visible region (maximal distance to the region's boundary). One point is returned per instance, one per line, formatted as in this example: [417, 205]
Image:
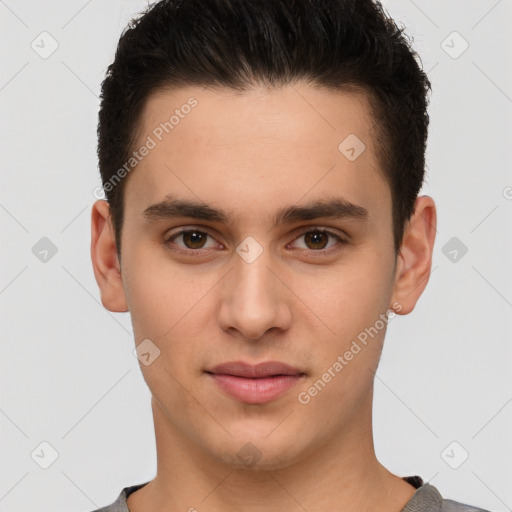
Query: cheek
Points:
[169, 307]
[349, 302]
[158, 294]
[349, 298]
[151, 305]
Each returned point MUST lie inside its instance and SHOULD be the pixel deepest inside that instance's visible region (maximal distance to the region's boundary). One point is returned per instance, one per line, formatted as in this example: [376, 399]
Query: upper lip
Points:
[265, 369]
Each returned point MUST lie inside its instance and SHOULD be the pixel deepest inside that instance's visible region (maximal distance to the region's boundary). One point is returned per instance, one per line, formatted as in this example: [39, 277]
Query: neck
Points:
[340, 474]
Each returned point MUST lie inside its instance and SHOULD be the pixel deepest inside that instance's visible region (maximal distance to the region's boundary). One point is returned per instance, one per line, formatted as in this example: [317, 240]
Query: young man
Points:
[262, 163]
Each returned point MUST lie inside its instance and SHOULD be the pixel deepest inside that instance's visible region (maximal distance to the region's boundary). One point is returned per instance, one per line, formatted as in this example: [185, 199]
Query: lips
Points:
[265, 369]
[255, 384]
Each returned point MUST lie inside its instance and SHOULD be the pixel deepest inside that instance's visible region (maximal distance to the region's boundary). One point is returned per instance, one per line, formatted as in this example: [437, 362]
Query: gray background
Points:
[68, 374]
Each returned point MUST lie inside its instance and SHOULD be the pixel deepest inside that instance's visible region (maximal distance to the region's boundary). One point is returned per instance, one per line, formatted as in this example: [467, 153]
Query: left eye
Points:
[318, 238]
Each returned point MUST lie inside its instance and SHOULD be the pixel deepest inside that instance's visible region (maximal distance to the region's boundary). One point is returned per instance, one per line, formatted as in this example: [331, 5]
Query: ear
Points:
[414, 260]
[105, 262]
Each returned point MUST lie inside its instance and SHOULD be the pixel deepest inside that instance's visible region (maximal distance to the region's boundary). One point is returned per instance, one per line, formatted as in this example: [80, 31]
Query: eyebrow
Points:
[337, 208]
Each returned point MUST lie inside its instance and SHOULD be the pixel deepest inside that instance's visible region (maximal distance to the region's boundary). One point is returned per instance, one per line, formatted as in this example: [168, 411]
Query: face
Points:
[255, 270]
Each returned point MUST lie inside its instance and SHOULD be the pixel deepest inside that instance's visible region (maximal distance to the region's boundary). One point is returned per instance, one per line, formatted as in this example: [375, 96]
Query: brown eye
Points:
[318, 239]
[194, 239]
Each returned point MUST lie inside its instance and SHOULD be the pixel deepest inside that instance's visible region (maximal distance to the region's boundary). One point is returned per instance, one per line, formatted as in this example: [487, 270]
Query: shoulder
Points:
[120, 504]
[455, 506]
[428, 499]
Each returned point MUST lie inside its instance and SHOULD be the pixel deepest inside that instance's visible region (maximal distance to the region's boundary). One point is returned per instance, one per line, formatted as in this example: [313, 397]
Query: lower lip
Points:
[255, 391]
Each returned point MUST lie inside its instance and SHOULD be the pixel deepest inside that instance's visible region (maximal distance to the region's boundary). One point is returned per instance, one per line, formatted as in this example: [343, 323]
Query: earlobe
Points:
[415, 256]
[104, 259]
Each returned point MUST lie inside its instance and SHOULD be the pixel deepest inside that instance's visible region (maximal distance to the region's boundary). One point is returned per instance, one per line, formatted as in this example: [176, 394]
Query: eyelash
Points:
[193, 252]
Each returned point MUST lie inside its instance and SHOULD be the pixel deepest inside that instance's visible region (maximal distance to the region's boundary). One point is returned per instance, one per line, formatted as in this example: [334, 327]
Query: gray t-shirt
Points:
[426, 499]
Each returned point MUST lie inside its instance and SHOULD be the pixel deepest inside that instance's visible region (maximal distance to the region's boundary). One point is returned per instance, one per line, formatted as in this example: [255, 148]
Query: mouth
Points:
[255, 384]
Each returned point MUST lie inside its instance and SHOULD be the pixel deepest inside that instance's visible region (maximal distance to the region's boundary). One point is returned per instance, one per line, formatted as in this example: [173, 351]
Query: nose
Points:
[254, 298]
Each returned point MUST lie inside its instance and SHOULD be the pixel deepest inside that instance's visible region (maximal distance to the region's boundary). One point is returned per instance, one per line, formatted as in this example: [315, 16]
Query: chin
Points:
[255, 453]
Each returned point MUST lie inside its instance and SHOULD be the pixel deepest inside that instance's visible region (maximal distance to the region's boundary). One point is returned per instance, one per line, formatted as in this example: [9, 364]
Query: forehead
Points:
[257, 147]
[298, 112]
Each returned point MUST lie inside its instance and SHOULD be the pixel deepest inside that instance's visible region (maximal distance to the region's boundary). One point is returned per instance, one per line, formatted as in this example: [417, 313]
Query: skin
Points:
[252, 154]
